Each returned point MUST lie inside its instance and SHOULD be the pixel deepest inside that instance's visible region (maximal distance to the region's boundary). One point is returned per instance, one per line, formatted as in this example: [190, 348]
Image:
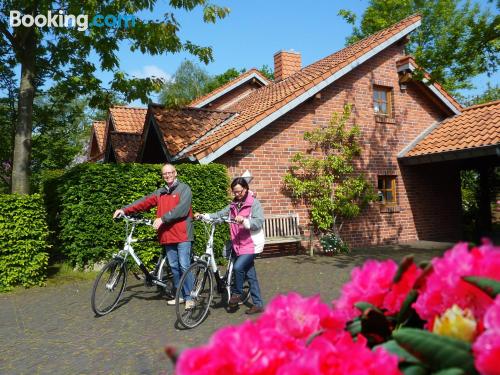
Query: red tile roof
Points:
[183, 127]
[475, 127]
[234, 82]
[269, 99]
[125, 146]
[128, 119]
[98, 128]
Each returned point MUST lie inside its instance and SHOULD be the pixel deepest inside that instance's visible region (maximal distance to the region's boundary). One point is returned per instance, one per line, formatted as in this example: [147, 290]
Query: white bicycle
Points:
[111, 281]
[201, 275]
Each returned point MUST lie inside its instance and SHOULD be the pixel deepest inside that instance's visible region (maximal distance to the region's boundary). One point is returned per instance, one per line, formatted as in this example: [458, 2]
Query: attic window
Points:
[382, 101]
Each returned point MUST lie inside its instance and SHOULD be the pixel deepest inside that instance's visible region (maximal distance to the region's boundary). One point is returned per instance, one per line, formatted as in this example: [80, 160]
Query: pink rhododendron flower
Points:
[487, 347]
[444, 287]
[396, 296]
[299, 317]
[244, 349]
[369, 283]
[343, 356]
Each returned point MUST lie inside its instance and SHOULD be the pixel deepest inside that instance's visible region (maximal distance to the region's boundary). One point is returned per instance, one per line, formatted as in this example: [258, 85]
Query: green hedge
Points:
[23, 241]
[88, 194]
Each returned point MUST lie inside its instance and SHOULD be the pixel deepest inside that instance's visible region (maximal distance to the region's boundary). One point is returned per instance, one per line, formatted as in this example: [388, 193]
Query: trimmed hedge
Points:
[23, 241]
[88, 194]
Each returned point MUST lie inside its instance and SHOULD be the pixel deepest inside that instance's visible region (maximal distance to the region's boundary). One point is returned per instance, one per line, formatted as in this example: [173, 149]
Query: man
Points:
[174, 223]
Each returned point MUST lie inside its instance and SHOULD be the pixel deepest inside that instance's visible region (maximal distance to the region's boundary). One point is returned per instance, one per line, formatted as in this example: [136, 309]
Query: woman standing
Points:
[247, 237]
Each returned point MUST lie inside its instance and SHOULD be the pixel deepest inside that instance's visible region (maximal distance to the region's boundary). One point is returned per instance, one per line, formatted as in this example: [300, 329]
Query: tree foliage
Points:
[491, 94]
[325, 179]
[59, 57]
[190, 81]
[456, 41]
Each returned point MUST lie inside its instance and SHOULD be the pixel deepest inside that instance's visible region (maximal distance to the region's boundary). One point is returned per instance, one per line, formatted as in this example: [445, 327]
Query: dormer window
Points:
[382, 101]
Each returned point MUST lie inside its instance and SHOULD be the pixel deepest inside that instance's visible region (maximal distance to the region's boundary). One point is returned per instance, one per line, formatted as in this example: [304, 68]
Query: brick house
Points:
[256, 124]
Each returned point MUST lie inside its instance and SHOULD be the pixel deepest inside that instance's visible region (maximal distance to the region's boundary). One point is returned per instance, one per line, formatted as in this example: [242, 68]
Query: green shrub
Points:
[23, 241]
[88, 194]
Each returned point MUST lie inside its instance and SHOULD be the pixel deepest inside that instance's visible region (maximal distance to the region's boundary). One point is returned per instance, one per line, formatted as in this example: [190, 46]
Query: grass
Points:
[62, 273]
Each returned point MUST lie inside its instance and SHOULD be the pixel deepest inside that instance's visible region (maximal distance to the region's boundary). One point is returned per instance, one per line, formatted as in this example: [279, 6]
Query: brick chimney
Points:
[285, 64]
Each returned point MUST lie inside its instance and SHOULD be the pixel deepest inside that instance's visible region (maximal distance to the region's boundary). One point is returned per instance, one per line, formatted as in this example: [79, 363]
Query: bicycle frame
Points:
[223, 282]
[131, 224]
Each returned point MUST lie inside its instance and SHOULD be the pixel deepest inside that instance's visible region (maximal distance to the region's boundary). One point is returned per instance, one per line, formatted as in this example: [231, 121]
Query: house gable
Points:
[267, 104]
[232, 91]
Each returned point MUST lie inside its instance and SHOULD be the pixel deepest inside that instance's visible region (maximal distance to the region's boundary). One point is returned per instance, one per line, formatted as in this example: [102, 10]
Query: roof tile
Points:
[476, 126]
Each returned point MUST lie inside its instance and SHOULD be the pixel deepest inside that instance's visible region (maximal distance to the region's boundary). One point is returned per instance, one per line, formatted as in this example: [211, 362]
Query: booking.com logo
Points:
[59, 19]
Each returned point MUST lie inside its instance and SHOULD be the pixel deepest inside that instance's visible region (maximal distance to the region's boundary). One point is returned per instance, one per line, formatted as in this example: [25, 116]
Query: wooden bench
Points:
[282, 229]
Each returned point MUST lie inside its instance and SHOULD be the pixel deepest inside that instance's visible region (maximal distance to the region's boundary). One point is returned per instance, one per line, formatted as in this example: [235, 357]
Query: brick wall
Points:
[267, 155]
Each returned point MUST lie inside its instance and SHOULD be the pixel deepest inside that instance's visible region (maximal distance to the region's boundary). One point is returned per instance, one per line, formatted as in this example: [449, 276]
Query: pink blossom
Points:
[369, 283]
[444, 287]
[341, 356]
[399, 291]
[299, 317]
[487, 352]
[244, 349]
[487, 347]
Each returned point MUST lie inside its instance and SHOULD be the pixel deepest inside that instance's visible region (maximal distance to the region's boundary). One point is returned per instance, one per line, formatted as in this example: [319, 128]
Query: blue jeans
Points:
[244, 267]
[179, 259]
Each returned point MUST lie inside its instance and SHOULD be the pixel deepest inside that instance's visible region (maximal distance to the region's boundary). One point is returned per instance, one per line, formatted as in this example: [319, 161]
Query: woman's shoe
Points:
[254, 310]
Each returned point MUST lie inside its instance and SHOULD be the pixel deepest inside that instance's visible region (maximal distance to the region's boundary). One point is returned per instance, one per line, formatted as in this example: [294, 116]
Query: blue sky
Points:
[251, 34]
[255, 30]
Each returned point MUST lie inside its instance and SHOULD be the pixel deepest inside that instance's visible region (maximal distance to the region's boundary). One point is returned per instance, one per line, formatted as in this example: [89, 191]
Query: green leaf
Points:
[414, 370]
[437, 352]
[403, 266]
[393, 347]
[363, 306]
[406, 308]
[489, 286]
[354, 327]
[450, 371]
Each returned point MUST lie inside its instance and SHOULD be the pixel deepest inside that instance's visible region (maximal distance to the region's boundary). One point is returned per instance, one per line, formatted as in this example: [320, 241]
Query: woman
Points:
[247, 237]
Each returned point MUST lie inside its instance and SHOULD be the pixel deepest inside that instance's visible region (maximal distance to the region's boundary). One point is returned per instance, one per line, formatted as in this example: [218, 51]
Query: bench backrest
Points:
[282, 226]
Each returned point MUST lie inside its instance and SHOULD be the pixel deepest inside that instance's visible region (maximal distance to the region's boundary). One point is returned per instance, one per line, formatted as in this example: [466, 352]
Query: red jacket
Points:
[173, 207]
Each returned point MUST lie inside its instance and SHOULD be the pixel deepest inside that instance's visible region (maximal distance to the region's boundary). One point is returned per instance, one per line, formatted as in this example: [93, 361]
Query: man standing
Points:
[174, 223]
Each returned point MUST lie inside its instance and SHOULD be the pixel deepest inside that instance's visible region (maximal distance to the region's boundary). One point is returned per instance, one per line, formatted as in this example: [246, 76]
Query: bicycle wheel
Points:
[108, 287]
[198, 281]
[166, 277]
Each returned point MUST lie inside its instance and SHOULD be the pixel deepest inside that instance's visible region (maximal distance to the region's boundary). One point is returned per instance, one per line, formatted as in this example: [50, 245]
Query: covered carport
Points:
[431, 167]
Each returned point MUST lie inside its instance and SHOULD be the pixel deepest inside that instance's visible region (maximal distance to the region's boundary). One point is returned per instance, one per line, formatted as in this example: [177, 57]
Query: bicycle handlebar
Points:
[216, 220]
[135, 220]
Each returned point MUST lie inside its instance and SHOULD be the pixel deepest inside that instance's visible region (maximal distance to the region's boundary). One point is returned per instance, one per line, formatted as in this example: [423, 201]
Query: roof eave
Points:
[490, 150]
[432, 87]
[306, 95]
[228, 89]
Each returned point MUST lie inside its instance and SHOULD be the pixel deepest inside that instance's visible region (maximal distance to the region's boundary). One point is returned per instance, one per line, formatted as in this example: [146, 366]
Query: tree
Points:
[491, 94]
[456, 41]
[59, 55]
[325, 179]
[188, 82]
[191, 81]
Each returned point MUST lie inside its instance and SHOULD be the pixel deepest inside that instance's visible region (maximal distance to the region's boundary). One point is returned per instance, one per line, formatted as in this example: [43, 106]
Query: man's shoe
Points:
[171, 302]
[189, 304]
[234, 300]
[254, 310]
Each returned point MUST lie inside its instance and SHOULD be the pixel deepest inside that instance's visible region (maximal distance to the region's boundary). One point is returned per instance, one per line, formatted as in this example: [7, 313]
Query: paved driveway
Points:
[52, 330]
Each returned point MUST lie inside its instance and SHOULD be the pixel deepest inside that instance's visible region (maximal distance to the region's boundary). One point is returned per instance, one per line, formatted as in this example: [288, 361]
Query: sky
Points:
[255, 30]
[252, 33]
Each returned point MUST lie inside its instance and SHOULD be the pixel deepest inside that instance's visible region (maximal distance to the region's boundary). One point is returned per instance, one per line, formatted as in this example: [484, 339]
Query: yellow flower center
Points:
[457, 323]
